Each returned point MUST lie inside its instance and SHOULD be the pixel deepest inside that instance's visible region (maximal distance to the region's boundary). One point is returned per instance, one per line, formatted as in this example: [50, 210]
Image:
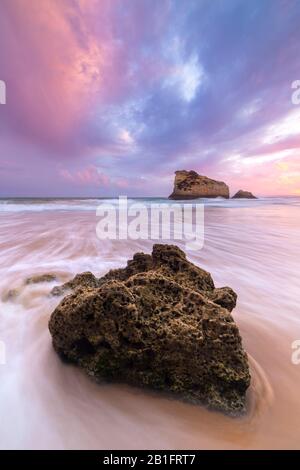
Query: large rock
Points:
[161, 323]
[244, 195]
[190, 185]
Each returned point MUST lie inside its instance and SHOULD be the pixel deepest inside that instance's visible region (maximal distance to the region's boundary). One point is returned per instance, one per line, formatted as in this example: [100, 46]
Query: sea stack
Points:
[244, 195]
[161, 323]
[191, 185]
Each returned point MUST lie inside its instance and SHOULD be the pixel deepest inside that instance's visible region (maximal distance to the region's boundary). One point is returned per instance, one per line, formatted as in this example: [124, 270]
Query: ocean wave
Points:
[59, 205]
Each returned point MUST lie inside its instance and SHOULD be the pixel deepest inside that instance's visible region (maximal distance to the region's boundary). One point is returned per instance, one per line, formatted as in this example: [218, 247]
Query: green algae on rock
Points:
[159, 323]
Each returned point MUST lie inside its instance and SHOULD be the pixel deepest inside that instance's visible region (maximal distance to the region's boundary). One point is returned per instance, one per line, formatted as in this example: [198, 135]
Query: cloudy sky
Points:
[110, 97]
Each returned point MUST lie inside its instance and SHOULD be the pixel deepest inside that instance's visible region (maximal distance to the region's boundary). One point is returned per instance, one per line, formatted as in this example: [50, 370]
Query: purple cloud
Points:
[105, 97]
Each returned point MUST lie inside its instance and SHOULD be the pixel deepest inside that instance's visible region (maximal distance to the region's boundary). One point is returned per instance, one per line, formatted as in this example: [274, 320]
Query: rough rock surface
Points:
[190, 185]
[244, 195]
[86, 279]
[40, 278]
[159, 323]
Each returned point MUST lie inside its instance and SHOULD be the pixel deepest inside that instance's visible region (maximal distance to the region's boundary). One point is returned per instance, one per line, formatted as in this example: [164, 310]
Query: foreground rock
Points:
[244, 195]
[159, 323]
[190, 185]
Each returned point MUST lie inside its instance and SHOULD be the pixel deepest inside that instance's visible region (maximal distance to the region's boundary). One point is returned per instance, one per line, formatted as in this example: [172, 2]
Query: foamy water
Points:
[252, 246]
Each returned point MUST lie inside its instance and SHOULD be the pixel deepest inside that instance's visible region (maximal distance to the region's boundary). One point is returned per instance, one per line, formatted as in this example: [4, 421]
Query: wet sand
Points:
[45, 404]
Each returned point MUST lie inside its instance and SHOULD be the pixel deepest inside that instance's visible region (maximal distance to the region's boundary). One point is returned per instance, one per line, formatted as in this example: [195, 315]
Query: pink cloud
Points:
[100, 82]
[122, 183]
[56, 65]
[89, 176]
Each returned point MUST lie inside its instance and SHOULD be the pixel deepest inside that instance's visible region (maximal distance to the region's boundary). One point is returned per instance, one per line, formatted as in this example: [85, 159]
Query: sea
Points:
[252, 246]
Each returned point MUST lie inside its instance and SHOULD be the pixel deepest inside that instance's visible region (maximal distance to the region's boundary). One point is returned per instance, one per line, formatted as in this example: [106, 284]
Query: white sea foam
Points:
[252, 246]
[68, 205]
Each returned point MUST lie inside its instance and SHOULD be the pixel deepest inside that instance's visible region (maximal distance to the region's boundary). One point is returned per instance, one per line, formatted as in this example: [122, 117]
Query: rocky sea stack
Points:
[190, 185]
[160, 323]
[244, 195]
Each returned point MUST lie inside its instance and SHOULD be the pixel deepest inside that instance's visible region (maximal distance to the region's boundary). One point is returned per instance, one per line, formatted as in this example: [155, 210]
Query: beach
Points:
[251, 246]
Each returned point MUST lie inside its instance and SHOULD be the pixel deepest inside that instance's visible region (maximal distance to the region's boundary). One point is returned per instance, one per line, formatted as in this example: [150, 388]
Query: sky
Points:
[111, 97]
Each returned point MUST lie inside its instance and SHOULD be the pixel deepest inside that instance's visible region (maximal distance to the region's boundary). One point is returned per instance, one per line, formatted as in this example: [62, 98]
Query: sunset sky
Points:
[110, 97]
